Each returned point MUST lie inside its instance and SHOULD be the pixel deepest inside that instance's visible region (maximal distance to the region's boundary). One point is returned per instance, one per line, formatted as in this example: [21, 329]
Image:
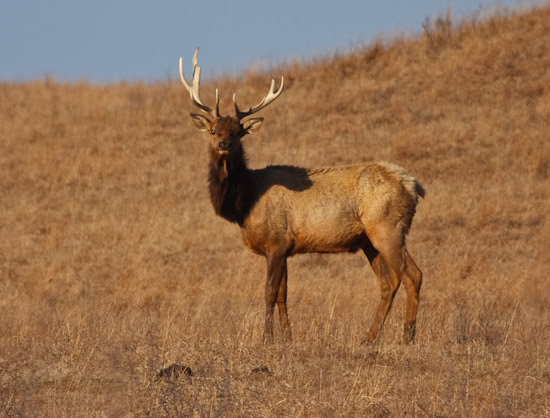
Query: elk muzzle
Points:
[224, 146]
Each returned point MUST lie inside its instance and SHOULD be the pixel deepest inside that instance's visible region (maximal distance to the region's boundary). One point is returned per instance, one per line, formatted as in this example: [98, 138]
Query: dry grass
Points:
[113, 265]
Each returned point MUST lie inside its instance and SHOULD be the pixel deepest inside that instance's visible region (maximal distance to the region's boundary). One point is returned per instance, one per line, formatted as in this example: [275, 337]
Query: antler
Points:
[194, 88]
[271, 95]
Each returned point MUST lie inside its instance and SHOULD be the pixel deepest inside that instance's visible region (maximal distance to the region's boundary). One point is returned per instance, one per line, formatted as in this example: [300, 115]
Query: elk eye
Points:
[212, 132]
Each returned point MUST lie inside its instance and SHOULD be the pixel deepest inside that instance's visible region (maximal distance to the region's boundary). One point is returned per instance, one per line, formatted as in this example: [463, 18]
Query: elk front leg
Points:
[281, 305]
[276, 269]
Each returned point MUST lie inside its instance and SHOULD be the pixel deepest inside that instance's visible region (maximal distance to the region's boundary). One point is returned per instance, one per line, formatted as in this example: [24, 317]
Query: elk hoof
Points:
[409, 332]
[175, 371]
[261, 370]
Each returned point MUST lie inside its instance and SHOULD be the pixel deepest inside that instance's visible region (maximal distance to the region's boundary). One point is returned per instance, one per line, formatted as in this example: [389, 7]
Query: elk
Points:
[284, 210]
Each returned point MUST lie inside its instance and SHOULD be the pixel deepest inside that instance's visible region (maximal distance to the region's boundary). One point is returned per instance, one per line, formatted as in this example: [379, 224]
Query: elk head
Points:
[225, 131]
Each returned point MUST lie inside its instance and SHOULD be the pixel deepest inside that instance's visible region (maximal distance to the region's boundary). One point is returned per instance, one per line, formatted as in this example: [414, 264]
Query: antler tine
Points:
[185, 83]
[271, 96]
[195, 59]
[194, 88]
[217, 104]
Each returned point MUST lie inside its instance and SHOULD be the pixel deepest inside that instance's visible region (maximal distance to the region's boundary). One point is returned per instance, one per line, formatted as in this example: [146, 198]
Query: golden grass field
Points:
[113, 264]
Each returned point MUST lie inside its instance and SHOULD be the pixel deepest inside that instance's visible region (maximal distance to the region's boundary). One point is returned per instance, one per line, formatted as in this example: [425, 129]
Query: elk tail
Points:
[419, 189]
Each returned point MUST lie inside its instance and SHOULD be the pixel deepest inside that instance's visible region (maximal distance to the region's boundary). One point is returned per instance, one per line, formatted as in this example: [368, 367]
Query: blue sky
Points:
[112, 40]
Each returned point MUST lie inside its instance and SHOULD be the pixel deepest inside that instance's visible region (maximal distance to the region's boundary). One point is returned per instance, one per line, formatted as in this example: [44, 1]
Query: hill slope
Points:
[113, 264]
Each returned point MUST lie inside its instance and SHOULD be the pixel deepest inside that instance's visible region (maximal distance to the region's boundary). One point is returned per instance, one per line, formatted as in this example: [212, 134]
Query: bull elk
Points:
[284, 210]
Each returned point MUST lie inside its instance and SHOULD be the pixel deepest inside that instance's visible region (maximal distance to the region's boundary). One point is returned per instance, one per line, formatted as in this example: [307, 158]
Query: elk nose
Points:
[224, 146]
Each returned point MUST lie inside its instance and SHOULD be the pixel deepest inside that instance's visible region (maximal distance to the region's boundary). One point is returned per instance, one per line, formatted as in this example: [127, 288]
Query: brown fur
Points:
[285, 210]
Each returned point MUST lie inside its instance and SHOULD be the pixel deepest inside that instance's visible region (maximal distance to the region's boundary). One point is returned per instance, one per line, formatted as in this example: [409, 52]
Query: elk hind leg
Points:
[389, 283]
[390, 242]
[412, 280]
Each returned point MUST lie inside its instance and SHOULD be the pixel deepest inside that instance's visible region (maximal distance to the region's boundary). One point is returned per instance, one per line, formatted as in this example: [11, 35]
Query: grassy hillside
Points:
[113, 264]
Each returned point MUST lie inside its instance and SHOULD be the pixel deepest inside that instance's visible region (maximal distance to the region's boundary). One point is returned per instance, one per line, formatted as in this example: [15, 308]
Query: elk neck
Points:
[229, 184]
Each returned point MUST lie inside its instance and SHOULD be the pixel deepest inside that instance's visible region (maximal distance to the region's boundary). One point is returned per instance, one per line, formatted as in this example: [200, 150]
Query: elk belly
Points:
[328, 228]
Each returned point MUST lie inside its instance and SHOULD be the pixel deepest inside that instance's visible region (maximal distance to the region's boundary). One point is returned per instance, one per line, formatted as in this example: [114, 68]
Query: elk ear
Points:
[253, 125]
[201, 122]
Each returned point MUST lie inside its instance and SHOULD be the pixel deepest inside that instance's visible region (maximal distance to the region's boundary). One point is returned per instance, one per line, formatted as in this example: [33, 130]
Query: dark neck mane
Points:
[228, 184]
